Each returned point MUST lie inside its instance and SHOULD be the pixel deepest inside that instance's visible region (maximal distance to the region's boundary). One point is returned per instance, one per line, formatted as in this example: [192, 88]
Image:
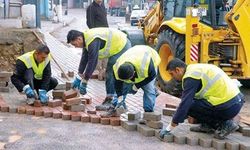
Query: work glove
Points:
[77, 82]
[43, 96]
[83, 87]
[28, 91]
[166, 131]
[134, 89]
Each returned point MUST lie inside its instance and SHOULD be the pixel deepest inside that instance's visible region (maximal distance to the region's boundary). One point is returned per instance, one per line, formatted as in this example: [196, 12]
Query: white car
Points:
[136, 15]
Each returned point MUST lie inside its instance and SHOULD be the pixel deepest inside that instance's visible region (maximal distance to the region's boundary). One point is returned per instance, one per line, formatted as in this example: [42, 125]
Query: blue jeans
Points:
[149, 95]
[110, 79]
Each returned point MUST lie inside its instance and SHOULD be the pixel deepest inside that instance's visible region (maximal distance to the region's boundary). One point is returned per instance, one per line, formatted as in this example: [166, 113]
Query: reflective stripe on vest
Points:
[217, 88]
[209, 83]
[139, 61]
[115, 40]
[29, 61]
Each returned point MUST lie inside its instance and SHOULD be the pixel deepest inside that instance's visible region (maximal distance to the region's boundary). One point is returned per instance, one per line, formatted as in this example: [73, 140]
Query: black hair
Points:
[174, 63]
[73, 35]
[42, 48]
[126, 71]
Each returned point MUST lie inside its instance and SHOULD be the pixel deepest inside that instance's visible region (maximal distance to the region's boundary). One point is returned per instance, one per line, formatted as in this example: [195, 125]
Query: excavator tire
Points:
[135, 36]
[170, 45]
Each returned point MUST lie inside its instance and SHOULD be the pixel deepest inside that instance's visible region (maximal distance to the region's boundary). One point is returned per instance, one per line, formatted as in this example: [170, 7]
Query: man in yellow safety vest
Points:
[33, 73]
[209, 96]
[98, 43]
[135, 69]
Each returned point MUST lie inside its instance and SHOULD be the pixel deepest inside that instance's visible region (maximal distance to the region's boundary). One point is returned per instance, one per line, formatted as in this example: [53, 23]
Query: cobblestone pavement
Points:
[69, 58]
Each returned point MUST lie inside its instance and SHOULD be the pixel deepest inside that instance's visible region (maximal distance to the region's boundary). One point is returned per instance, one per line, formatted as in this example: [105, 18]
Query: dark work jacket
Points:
[89, 58]
[19, 78]
[96, 16]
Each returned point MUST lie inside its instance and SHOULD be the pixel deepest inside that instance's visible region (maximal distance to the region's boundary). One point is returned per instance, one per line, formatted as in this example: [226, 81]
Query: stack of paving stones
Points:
[169, 110]
[66, 104]
[152, 120]
[5, 81]
[130, 121]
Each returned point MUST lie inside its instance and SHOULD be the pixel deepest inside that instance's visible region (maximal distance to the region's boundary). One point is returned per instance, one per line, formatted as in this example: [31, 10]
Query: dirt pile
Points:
[13, 43]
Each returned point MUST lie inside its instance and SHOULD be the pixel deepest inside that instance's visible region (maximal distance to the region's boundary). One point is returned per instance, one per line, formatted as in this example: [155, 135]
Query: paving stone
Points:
[30, 111]
[115, 121]
[145, 130]
[57, 94]
[242, 126]
[38, 112]
[87, 98]
[4, 89]
[192, 141]
[57, 114]
[91, 111]
[85, 117]
[154, 124]
[129, 125]
[21, 110]
[73, 101]
[13, 109]
[68, 85]
[77, 108]
[69, 94]
[55, 103]
[5, 74]
[95, 118]
[37, 103]
[66, 115]
[61, 86]
[47, 112]
[63, 75]
[204, 142]
[246, 131]
[168, 111]
[218, 144]
[84, 101]
[3, 83]
[179, 139]
[105, 121]
[232, 146]
[4, 80]
[244, 146]
[75, 116]
[70, 74]
[135, 115]
[153, 116]
[4, 108]
[168, 138]
[65, 106]
[170, 106]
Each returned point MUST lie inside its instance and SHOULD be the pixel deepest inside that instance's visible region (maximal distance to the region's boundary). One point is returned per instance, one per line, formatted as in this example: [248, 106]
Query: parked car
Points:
[136, 15]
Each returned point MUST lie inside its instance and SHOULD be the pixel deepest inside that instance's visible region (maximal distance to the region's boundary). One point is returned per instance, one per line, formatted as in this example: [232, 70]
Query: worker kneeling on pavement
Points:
[98, 43]
[209, 96]
[135, 69]
[32, 74]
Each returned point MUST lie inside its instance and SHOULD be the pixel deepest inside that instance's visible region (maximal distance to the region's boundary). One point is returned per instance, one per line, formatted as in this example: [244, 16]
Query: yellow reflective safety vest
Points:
[114, 38]
[29, 61]
[140, 57]
[217, 88]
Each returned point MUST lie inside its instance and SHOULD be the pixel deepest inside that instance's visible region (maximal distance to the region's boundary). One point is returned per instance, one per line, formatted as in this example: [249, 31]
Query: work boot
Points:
[204, 128]
[225, 129]
[110, 113]
[106, 104]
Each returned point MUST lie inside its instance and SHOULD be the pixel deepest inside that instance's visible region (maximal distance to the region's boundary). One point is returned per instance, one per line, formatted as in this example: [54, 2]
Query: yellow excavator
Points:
[198, 31]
